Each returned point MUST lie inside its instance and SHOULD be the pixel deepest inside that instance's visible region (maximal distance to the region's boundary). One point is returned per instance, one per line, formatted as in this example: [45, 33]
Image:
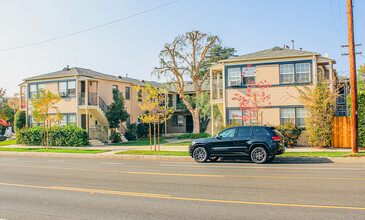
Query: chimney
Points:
[126, 75]
[292, 44]
[67, 68]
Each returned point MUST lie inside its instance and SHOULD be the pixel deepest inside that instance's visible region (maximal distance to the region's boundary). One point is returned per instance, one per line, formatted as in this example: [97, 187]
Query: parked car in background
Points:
[259, 143]
[3, 138]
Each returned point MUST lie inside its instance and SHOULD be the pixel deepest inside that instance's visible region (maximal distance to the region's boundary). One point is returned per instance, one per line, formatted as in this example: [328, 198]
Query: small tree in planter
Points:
[290, 134]
[252, 103]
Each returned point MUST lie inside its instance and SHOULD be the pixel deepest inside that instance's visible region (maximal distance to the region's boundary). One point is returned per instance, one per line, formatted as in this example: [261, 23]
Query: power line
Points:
[88, 29]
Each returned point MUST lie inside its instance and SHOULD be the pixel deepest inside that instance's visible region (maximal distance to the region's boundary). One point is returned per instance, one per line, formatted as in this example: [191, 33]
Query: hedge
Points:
[193, 136]
[361, 118]
[71, 136]
[19, 120]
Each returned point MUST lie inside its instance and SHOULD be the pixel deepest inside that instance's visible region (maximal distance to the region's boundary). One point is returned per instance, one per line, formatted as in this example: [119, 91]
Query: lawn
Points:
[52, 150]
[184, 143]
[139, 142]
[4, 143]
[146, 152]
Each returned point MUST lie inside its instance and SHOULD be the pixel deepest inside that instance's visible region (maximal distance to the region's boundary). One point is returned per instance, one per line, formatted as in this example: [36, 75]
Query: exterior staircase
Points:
[95, 142]
[121, 135]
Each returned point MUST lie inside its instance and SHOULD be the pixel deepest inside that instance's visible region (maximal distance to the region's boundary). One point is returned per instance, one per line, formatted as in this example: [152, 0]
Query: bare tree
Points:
[184, 57]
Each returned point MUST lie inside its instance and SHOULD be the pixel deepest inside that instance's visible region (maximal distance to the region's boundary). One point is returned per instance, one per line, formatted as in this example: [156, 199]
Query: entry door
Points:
[189, 124]
[83, 87]
[83, 121]
[224, 142]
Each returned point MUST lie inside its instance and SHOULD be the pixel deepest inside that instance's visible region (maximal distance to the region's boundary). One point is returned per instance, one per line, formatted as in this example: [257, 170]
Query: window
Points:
[302, 72]
[41, 86]
[260, 132]
[174, 120]
[71, 88]
[127, 93]
[115, 87]
[301, 114]
[170, 100]
[228, 133]
[248, 75]
[180, 120]
[234, 76]
[235, 115]
[32, 123]
[287, 73]
[244, 132]
[63, 121]
[71, 119]
[62, 88]
[287, 115]
[140, 95]
[32, 90]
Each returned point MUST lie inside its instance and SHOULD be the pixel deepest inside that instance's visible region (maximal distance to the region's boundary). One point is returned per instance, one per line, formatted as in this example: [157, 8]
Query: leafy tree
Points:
[42, 103]
[19, 120]
[319, 101]
[185, 57]
[215, 54]
[116, 113]
[361, 78]
[14, 102]
[4, 117]
[253, 102]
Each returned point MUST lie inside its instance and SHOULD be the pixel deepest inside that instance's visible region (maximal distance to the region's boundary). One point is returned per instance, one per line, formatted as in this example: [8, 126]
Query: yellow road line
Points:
[186, 175]
[161, 196]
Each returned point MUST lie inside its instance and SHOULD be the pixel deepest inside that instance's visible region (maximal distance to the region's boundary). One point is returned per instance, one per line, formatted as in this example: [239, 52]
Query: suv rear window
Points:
[260, 132]
[275, 132]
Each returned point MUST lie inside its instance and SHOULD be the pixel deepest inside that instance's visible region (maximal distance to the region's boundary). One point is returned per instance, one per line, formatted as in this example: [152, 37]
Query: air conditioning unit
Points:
[180, 120]
[235, 83]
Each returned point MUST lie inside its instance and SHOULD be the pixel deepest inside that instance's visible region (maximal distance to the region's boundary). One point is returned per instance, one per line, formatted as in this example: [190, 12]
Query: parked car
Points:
[259, 143]
[3, 138]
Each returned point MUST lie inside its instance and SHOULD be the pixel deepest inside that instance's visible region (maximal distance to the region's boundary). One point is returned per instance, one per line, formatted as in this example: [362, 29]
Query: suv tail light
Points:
[276, 138]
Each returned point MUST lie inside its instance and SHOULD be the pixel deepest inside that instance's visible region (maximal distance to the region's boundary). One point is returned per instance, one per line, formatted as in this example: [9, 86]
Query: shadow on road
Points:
[280, 160]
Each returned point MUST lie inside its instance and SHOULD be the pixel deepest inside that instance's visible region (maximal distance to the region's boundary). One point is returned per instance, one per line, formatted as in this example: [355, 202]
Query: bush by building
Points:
[131, 133]
[19, 120]
[71, 136]
[193, 136]
[290, 134]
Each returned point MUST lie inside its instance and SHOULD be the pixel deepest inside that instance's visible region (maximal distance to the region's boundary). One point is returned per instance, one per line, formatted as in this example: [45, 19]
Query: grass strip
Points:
[147, 152]
[184, 143]
[10, 142]
[52, 150]
[139, 142]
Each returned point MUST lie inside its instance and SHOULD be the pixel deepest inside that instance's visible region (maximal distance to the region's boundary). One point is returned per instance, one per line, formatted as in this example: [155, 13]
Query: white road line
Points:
[252, 167]
[56, 161]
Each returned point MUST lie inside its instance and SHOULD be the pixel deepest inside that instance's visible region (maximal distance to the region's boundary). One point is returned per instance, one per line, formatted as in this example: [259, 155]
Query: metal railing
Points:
[82, 98]
[102, 105]
[93, 98]
[96, 133]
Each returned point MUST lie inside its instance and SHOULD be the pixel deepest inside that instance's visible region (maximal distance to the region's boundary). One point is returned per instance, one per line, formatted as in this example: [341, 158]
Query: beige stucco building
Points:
[284, 69]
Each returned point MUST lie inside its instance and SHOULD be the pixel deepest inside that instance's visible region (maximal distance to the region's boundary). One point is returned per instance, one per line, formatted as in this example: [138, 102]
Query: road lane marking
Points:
[61, 161]
[111, 163]
[162, 196]
[187, 175]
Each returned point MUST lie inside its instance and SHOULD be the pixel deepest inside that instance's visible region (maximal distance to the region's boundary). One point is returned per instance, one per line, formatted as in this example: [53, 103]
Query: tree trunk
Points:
[154, 135]
[158, 133]
[196, 122]
[149, 125]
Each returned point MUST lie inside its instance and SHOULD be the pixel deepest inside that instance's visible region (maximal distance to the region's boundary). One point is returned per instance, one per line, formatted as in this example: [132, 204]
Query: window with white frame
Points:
[71, 88]
[62, 88]
[71, 119]
[287, 73]
[248, 75]
[32, 90]
[63, 121]
[235, 116]
[287, 115]
[302, 72]
[234, 76]
[301, 115]
[41, 86]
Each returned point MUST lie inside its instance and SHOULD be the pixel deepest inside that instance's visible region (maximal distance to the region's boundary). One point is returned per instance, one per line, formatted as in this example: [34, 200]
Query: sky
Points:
[132, 45]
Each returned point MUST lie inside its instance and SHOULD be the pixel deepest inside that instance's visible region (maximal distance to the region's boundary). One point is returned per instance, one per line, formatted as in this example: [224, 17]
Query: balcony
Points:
[92, 98]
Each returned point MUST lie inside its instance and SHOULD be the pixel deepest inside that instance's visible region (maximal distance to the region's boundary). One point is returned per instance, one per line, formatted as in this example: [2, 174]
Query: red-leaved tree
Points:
[253, 102]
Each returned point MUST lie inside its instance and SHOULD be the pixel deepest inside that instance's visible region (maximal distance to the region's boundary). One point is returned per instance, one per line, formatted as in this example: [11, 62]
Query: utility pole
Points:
[354, 126]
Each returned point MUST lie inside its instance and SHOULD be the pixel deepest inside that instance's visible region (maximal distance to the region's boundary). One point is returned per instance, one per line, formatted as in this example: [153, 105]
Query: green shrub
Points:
[115, 137]
[290, 134]
[193, 136]
[142, 130]
[361, 118]
[58, 136]
[19, 120]
[131, 133]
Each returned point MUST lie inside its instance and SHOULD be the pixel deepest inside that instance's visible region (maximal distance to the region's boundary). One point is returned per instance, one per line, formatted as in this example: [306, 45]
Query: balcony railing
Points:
[93, 98]
[102, 105]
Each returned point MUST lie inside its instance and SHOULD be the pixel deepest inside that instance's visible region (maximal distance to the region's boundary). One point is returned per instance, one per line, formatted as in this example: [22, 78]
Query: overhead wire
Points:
[89, 29]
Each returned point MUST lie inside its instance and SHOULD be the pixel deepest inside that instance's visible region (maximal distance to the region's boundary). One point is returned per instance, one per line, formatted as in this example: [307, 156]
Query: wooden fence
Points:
[341, 127]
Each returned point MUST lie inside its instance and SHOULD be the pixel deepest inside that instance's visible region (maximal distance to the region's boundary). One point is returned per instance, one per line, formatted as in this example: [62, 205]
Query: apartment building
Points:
[284, 69]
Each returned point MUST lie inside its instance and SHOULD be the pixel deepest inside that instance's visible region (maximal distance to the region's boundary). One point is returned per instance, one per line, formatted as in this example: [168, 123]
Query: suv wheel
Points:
[200, 154]
[259, 155]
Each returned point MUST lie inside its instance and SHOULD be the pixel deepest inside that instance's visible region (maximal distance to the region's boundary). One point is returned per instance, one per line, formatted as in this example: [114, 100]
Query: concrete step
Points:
[96, 143]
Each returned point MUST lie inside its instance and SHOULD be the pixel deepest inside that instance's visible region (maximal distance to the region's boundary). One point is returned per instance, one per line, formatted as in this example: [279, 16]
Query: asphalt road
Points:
[71, 188]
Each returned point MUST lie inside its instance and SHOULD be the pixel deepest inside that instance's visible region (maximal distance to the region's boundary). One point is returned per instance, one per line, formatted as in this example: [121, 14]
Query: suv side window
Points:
[244, 132]
[260, 132]
[228, 133]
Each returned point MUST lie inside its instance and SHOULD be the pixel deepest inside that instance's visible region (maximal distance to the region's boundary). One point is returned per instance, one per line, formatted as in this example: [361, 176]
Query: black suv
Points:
[260, 143]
